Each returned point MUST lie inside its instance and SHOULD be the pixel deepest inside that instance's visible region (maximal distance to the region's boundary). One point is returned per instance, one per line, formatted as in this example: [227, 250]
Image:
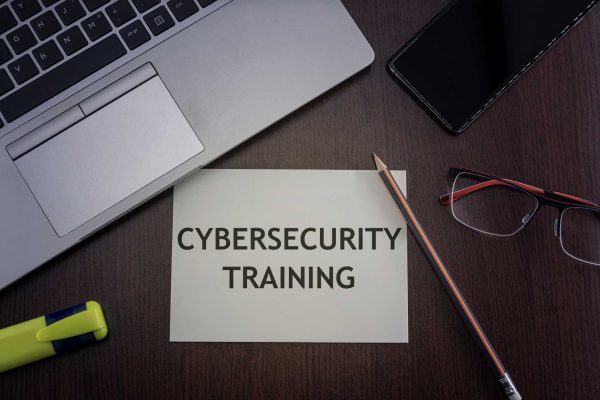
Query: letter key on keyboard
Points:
[61, 77]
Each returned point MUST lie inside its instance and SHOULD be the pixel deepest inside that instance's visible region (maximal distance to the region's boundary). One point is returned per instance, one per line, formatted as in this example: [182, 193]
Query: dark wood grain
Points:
[539, 308]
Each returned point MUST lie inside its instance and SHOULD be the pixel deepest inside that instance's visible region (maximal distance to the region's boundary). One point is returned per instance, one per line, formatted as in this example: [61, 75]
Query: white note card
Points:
[288, 256]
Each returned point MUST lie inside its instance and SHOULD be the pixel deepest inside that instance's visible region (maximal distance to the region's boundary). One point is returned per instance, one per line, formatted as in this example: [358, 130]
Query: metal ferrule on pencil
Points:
[509, 387]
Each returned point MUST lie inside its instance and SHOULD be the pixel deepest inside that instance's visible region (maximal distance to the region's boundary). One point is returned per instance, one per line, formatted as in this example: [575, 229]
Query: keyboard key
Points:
[47, 54]
[25, 8]
[45, 25]
[182, 9]
[134, 34]
[5, 53]
[21, 39]
[205, 3]
[61, 77]
[23, 69]
[159, 20]
[5, 82]
[96, 26]
[71, 40]
[94, 4]
[120, 12]
[48, 3]
[7, 20]
[70, 11]
[144, 5]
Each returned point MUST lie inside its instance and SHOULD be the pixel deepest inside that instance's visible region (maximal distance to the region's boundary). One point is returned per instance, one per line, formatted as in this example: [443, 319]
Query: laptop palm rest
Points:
[108, 155]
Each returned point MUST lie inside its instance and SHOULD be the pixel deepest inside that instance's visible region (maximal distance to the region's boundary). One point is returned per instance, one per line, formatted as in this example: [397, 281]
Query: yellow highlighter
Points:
[51, 334]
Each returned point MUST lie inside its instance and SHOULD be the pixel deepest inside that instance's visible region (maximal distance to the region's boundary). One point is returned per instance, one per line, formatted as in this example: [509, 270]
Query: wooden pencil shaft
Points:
[444, 276]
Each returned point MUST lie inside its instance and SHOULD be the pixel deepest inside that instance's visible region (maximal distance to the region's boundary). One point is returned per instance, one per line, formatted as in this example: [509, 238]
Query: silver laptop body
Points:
[133, 128]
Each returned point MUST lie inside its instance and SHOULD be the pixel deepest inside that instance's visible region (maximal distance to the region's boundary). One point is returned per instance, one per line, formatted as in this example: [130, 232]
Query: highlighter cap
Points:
[51, 334]
[74, 327]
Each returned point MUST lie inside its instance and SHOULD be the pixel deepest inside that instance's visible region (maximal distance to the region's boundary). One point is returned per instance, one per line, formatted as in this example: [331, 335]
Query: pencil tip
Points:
[378, 163]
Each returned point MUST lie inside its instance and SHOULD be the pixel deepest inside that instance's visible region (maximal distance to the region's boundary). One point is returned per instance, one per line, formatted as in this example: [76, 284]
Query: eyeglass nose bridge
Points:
[557, 220]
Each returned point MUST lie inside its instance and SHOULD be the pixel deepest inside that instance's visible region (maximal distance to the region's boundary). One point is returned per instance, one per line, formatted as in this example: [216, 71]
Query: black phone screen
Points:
[467, 55]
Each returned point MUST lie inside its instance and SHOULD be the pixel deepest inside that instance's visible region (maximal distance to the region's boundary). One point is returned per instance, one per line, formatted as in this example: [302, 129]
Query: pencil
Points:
[448, 283]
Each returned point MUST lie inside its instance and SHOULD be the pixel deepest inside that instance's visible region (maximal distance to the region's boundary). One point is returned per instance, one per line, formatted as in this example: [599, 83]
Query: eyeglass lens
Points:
[491, 206]
[580, 234]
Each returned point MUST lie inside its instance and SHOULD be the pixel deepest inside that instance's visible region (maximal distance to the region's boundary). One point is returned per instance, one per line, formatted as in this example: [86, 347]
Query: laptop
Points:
[106, 103]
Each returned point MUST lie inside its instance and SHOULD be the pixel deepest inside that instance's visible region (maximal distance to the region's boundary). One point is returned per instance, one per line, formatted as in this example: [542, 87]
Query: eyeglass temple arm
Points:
[448, 198]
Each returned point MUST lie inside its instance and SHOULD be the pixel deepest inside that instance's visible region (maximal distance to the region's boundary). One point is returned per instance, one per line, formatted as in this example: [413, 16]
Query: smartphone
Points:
[473, 50]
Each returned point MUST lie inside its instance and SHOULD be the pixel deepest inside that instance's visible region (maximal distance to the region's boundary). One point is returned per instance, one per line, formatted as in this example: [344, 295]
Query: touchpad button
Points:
[108, 156]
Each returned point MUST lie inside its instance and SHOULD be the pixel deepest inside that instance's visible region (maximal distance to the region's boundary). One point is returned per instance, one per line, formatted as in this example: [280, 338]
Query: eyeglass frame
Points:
[544, 197]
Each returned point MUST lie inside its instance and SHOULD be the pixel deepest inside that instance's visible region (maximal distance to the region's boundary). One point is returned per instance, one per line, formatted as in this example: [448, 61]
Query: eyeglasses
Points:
[503, 207]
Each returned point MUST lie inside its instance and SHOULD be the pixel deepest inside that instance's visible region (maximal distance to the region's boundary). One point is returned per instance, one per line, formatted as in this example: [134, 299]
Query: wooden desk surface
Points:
[540, 308]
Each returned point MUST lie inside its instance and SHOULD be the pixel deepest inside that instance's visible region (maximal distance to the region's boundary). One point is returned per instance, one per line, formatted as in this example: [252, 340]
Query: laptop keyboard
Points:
[47, 46]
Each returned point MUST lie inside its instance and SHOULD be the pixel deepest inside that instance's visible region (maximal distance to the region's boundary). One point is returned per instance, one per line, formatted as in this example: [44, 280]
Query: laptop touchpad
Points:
[108, 156]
